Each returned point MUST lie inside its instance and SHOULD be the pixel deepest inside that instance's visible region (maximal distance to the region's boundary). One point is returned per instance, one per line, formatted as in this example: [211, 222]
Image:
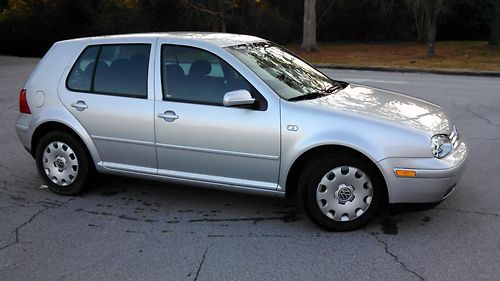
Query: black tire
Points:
[85, 168]
[311, 177]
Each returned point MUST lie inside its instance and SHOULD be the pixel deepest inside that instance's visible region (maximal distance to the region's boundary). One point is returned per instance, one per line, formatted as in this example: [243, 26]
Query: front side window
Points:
[120, 70]
[197, 76]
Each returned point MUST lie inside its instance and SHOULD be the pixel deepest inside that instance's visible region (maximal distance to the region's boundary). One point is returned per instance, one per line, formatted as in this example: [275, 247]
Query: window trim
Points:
[92, 91]
[260, 106]
[95, 69]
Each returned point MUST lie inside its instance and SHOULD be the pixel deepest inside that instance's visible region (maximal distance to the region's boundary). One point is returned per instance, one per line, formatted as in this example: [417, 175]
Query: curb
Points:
[410, 70]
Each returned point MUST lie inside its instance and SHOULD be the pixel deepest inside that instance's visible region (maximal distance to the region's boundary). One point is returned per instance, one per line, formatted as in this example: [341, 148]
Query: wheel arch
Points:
[51, 126]
[298, 165]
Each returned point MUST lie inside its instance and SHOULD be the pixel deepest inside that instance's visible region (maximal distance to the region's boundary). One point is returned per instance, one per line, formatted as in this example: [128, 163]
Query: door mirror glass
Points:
[237, 98]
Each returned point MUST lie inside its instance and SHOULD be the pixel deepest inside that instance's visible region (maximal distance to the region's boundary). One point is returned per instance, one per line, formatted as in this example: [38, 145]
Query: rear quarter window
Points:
[80, 78]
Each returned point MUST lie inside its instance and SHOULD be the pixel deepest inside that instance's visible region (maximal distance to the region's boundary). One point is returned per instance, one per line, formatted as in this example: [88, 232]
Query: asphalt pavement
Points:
[128, 229]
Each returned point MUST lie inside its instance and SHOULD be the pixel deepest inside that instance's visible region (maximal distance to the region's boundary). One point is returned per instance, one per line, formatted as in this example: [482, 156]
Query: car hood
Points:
[388, 106]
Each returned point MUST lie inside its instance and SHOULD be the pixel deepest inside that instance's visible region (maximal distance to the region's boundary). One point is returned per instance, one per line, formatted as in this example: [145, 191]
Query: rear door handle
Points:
[168, 116]
[80, 105]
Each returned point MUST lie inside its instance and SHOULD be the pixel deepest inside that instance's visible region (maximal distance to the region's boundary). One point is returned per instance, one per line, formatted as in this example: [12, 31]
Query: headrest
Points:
[200, 68]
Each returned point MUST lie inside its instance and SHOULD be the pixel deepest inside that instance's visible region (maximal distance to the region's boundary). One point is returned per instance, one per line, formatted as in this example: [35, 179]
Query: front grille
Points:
[454, 137]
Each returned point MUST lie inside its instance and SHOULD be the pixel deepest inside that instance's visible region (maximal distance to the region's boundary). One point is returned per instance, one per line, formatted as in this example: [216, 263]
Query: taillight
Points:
[23, 103]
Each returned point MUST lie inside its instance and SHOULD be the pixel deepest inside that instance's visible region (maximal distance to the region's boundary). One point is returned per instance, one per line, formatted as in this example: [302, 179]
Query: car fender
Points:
[305, 128]
[66, 118]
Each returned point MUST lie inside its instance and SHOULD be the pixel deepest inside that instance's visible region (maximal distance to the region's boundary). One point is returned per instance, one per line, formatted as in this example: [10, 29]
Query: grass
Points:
[456, 55]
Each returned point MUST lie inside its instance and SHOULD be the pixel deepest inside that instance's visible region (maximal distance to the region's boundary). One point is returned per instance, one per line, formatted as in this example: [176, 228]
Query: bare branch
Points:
[325, 12]
[201, 8]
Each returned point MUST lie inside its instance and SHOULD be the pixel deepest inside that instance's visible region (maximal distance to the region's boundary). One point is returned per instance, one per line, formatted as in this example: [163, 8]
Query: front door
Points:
[198, 138]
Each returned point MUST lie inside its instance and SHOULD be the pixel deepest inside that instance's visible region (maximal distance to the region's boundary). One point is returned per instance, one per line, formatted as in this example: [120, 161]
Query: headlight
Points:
[441, 146]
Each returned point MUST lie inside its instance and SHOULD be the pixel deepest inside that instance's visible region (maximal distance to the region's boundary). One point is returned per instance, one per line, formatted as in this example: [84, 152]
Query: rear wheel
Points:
[63, 163]
[340, 192]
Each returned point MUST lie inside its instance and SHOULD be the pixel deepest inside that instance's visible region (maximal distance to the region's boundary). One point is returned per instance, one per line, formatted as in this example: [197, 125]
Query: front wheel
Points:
[340, 192]
[63, 163]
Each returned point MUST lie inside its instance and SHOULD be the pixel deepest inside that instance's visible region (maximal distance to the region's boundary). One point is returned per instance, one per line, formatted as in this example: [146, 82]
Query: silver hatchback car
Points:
[233, 112]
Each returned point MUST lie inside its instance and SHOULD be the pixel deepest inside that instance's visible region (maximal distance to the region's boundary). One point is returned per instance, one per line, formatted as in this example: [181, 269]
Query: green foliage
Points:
[30, 27]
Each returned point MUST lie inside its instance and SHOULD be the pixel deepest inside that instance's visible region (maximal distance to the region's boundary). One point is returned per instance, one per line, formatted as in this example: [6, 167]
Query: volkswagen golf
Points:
[233, 112]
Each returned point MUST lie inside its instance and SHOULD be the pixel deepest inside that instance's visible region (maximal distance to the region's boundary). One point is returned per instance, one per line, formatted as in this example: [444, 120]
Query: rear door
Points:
[109, 91]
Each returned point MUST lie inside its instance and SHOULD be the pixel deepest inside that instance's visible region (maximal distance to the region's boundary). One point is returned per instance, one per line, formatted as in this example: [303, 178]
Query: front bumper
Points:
[435, 178]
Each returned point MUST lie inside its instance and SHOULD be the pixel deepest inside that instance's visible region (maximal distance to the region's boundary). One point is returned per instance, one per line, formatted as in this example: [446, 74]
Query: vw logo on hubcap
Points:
[344, 194]
[60, 163]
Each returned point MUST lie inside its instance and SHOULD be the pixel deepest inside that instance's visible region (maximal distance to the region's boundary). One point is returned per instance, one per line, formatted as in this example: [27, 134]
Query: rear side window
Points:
[114, 70]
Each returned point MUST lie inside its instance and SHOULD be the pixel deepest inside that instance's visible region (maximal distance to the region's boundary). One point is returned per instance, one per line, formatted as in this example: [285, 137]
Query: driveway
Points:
[128, 229]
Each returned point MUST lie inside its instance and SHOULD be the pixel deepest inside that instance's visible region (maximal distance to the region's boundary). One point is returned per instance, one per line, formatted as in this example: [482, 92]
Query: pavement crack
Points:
[287, 217]
[395, 257]
[46, 205]
[254, 220]
[469, 212]
[484, 118]
[18, 229]
[201, 264]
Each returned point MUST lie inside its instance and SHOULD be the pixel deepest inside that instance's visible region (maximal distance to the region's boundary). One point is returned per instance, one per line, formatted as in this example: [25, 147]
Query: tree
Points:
[433, 8]
[309, 30]
[419, 15]
[495, 25]
[3, 4]
[220, 11]
[426, 13]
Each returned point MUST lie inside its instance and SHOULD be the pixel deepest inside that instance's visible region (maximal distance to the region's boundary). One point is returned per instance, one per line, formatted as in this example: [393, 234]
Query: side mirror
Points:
[238, 97]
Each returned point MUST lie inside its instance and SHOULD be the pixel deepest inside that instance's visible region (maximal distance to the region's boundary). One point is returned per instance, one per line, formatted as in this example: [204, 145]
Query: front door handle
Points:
[80, 105]
[168, 116]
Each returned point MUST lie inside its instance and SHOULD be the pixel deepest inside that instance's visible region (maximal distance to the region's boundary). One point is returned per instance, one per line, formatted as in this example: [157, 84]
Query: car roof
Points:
[219, 39]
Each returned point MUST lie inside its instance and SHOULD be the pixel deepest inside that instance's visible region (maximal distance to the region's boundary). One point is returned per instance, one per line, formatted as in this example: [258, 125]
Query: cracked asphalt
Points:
[128, 229]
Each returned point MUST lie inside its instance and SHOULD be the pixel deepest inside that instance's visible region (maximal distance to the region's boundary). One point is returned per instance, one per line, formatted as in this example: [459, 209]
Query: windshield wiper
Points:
[333, 88]
[337, 85]
[309, 96]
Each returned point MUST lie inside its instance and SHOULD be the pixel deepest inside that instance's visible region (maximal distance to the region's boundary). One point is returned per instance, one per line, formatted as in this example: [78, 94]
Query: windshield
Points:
[290, 77]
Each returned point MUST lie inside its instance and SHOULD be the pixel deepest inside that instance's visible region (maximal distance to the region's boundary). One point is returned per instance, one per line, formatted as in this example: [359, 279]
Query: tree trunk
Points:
[215, 25]
[431, 38]
[495, 25]
[420, 16]
[309, 30]
[433, 11]
[422, 27]
[223, 25]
